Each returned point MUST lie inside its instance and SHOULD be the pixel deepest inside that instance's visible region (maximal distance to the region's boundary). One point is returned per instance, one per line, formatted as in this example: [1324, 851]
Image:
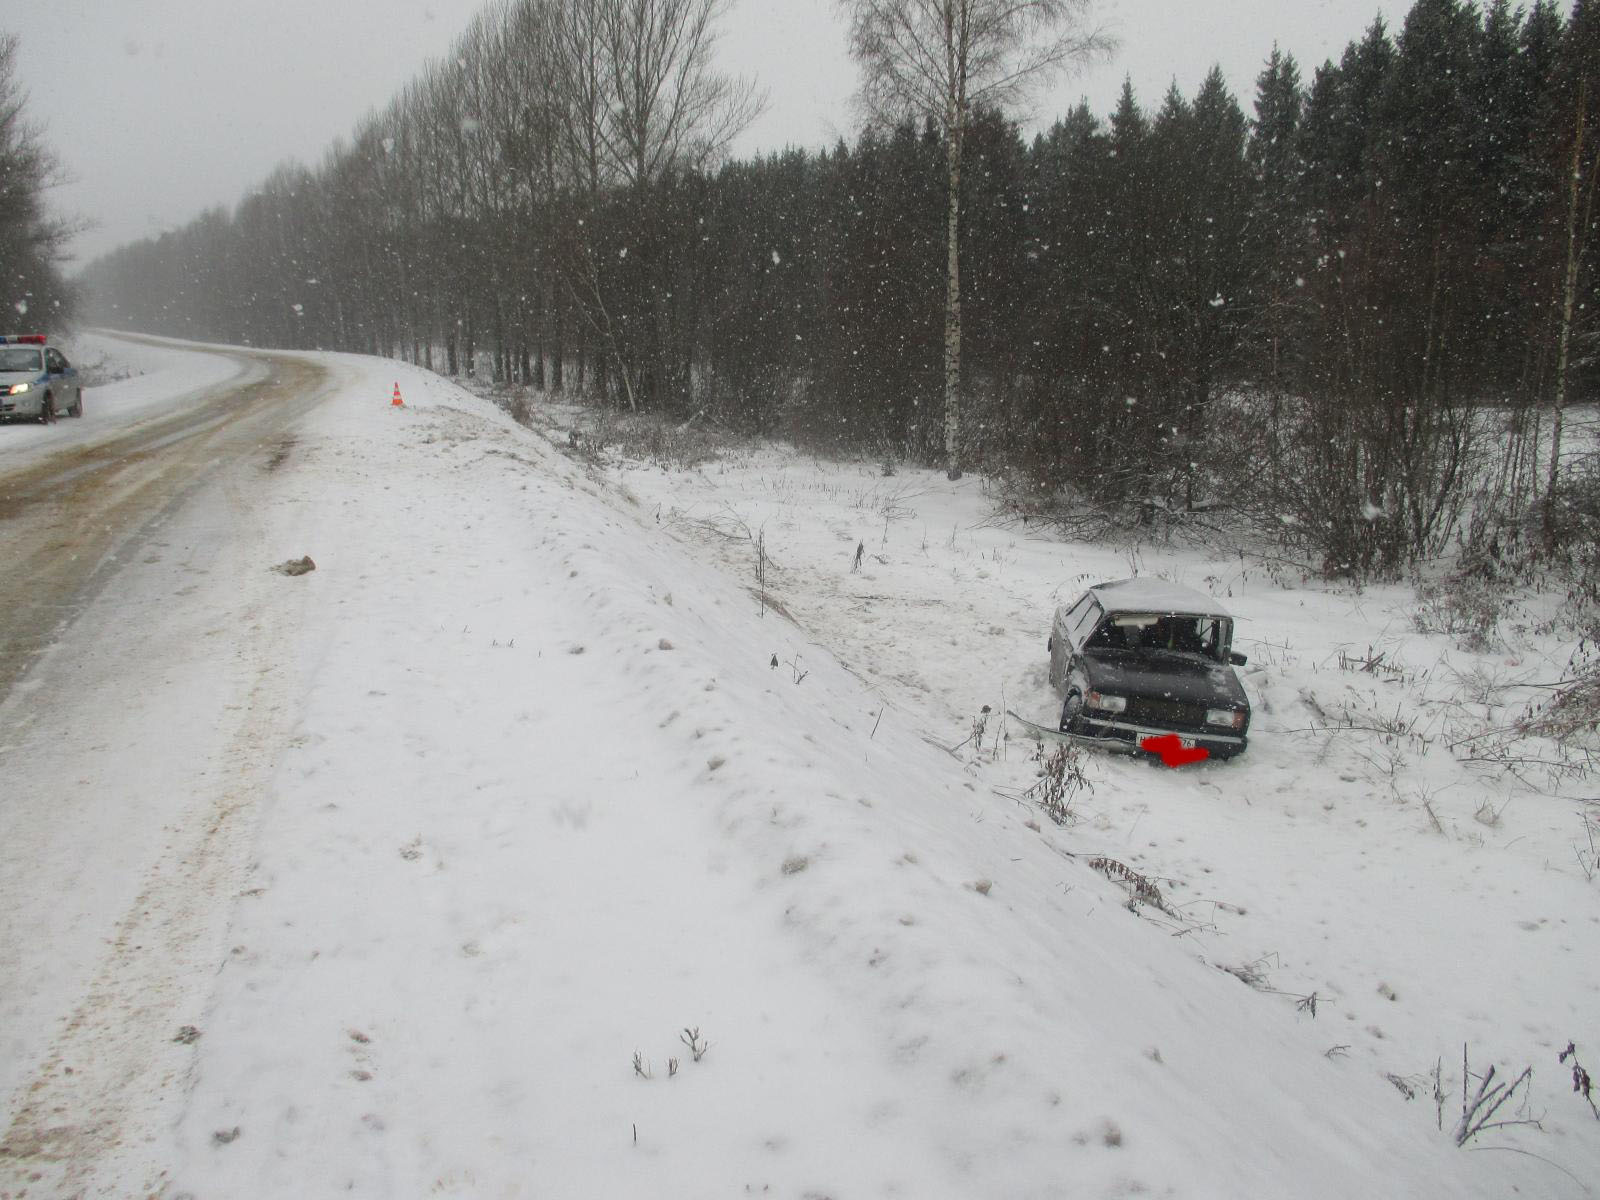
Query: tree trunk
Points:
[558, 352]
[1568, 303]
[952, 304]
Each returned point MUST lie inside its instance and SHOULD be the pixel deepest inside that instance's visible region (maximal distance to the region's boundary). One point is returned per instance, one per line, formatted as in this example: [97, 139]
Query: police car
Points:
[36, 380]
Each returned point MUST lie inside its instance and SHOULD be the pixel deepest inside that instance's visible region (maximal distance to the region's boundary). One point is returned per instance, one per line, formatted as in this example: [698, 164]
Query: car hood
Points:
[1169, 676]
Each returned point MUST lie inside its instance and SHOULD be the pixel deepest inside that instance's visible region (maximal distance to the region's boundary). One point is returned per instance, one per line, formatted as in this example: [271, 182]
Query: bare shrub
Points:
[1466, 606]
[1141, 889]
[1573, 710]
[651, 438]
[1074, 514]
[1350, 476]
[1061, 778]
[1589, 857]
[1582, 1084]
[697, 1044]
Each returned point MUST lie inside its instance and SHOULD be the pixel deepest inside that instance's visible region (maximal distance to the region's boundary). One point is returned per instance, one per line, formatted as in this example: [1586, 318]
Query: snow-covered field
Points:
[495, 857]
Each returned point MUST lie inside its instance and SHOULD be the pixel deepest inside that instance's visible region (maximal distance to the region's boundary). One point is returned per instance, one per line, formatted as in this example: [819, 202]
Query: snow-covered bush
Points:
[1466, 606]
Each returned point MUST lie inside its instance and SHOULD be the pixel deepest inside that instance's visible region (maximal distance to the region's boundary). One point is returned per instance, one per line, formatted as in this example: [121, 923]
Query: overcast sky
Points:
[162, 108]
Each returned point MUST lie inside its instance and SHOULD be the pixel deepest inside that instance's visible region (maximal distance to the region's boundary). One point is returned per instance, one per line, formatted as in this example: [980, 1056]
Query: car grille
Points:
[1165, 714]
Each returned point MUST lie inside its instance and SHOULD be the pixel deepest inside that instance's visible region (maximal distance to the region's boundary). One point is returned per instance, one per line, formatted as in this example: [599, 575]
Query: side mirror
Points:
[1236, 658]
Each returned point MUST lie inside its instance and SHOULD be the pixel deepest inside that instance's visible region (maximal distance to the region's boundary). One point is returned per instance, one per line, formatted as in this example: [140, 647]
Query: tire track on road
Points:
[80, 1109]
[64, 520]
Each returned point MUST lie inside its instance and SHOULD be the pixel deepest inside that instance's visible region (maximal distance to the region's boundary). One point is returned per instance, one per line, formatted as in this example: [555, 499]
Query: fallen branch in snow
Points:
[950, 750]
[1530, 1154]
[1477, 1115]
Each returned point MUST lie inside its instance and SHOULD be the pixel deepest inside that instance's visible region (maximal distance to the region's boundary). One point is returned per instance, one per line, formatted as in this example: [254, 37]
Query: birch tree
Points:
[940, 59]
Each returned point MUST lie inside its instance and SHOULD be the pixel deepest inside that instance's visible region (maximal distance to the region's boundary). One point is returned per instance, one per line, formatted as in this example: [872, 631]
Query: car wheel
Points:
[1071, 709]
[47, 410]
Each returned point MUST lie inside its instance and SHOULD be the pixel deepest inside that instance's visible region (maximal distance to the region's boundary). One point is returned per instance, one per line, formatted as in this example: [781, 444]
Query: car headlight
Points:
[18, 388]
[1106, 703]
[1229, 717]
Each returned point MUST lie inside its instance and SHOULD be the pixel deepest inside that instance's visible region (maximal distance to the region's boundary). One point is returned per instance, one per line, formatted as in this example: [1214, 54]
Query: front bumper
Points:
[1124, 736]
[25, 405]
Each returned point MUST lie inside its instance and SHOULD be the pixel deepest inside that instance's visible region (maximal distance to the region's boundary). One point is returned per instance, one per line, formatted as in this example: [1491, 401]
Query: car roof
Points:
[1144, 594]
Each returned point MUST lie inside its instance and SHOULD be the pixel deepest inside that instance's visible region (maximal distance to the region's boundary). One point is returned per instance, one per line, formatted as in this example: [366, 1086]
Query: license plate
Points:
[1187, 743]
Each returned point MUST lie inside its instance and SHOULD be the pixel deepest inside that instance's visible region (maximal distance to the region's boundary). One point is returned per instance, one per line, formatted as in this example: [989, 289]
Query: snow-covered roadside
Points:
[549, 805]
[1416, 905]
[529, 798]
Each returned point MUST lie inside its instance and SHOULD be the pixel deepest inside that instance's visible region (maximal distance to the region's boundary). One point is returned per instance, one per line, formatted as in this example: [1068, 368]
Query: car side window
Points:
[1110, 636]
[56, 361]
[1068, 619]
[1084, 619]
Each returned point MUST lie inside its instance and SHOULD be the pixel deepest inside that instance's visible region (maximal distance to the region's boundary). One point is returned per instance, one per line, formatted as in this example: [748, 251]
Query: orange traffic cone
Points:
[397, 402]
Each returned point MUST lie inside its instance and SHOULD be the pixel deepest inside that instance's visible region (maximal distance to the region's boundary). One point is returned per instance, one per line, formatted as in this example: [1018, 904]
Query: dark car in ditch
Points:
[1143, 658]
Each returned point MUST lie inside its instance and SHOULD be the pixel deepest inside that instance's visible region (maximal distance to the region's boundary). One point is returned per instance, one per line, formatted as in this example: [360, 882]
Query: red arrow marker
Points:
[1172, 750]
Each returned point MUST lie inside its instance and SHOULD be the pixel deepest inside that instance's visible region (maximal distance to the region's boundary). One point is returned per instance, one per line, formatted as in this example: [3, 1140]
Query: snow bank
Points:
[549, 805]
[526, 847]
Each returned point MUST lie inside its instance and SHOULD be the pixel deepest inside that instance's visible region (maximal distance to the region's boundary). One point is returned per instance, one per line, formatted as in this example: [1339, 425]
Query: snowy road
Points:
[77, 497]
[132, 718]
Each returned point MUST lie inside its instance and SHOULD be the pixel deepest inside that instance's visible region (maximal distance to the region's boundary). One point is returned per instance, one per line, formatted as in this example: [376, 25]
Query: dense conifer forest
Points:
[1352, 308]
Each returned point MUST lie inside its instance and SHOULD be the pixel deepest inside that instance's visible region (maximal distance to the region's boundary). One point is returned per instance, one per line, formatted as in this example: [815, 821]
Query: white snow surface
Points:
[429, 844]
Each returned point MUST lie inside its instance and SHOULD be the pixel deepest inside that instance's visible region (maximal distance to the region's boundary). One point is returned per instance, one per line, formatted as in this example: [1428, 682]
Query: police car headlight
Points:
[18, 388]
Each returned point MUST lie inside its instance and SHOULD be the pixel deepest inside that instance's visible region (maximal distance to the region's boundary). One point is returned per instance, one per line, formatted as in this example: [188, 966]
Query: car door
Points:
[1061, 639]
[63, 381]
[1072, 626]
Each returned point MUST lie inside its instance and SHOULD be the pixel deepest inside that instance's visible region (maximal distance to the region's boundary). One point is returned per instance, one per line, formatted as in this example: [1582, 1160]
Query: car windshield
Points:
[21, 358]
[1169, 633]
